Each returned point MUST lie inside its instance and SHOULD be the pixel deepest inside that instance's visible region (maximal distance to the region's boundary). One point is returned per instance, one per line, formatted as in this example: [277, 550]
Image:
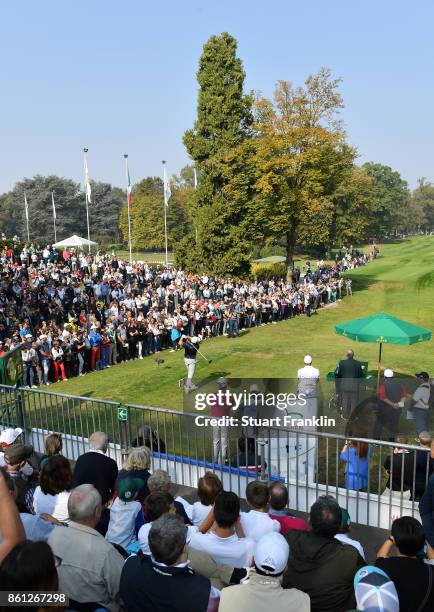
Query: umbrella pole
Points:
[379, 366]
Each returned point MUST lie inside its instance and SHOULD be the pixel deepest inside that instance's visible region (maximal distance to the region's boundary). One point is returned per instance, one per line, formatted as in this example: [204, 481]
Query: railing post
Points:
[124, 430]
[19, 403]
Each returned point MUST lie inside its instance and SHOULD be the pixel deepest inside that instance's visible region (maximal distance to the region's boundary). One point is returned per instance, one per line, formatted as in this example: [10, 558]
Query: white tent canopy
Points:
[74, 241]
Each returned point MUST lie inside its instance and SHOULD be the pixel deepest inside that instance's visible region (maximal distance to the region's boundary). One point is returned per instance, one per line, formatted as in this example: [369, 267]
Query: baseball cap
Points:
[388, 373]
[17, 452]
[271, 553]
[307, 359]
[128, 487]
[374, 590]
[195, 339]
[28, 336]
[9, 435]
[423, 375]
[222, 381]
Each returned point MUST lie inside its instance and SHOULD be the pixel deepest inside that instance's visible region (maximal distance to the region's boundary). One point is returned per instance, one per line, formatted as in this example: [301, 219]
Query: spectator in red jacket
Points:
[278, 509]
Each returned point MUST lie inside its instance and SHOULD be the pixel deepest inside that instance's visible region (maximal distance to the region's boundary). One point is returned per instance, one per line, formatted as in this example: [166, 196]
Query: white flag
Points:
[167, 190]
[87, 181]
[195, 178]
[26, 208]
[54, 207]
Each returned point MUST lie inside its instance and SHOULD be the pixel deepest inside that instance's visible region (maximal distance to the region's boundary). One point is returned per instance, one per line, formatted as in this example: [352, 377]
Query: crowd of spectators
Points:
[118, 540]
[74, 312]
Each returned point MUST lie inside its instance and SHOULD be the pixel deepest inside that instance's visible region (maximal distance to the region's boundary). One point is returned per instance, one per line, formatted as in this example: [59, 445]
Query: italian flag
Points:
[129, 196]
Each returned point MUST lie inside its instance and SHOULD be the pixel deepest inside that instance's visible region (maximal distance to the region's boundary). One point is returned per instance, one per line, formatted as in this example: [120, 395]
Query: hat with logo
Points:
[271, 553]
[128, 487]
[195, 339]
[307, 359]
[9, 435]
[388, 373]
[374, 590]
[423, 375]
[16, 453]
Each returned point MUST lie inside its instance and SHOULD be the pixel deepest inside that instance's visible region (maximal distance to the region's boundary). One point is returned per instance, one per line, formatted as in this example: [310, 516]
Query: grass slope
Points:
[400, 283]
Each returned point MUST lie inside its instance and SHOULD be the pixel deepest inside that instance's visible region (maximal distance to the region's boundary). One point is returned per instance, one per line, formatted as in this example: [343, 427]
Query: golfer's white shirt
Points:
[308, 378]
[308, 372]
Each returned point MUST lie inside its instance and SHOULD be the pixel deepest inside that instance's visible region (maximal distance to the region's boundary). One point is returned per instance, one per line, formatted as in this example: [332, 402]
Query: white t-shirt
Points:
[233, 551]
[342, 537]
[143, 537]
[56, 505]
[199, 512]
[256, 524]
[121, 529]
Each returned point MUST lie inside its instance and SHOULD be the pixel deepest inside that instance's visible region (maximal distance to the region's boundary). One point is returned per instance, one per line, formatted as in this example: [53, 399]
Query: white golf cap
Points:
[388, 373]
[8, 436]
[222, 381]
[307, 359]
[28, 336]
[271, 553]
[195, 339]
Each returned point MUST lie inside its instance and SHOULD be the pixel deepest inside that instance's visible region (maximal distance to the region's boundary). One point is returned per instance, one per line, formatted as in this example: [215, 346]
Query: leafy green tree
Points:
[423, 206]
[219, 238]
[391, 197]
[301, 159]
[147, 214]
[352, 207]
[70, 210]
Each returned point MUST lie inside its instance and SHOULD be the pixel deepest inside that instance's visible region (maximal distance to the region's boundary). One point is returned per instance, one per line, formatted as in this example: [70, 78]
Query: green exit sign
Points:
[123, 414]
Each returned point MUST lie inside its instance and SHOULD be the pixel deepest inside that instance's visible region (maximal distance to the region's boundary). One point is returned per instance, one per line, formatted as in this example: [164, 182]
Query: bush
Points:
[266, 271]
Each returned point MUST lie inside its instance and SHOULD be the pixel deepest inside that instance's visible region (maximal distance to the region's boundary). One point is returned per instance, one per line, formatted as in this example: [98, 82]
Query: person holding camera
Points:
[59, 366]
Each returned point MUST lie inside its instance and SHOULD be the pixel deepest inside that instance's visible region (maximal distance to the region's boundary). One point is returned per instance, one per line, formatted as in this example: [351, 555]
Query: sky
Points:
[119, 77]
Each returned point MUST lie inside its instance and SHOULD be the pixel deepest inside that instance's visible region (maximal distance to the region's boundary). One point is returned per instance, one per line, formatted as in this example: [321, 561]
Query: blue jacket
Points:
[94, 339]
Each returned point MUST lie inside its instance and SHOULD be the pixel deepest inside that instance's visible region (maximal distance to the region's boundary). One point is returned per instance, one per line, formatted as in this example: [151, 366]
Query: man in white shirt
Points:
[226, 544]
[257, 522]
[308, 378]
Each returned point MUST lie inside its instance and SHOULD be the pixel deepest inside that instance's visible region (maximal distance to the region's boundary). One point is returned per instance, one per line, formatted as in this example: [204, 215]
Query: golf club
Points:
[198, 351]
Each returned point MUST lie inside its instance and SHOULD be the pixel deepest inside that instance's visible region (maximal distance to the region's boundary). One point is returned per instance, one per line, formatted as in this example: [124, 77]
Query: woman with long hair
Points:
[356, 456]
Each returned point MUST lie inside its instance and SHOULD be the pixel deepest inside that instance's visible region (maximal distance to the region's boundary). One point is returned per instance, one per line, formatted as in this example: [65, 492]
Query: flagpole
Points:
[165, 210]
[27, 216]
[128, 205]
[87, 200]
[54, 216]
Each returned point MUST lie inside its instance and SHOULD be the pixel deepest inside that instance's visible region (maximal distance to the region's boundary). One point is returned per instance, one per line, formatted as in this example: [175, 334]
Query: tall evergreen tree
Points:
[219, 238]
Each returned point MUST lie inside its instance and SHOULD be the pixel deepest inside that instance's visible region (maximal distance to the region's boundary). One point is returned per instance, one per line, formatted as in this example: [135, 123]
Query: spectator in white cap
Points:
[391, 398]
[8, 437]
[263, 590]
[308, 378]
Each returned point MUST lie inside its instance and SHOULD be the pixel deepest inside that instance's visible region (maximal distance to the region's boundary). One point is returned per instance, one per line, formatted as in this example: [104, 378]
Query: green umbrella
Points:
[383, 328]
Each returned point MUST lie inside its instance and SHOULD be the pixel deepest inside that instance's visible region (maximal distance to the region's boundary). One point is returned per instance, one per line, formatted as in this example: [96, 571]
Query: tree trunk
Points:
[290, 248]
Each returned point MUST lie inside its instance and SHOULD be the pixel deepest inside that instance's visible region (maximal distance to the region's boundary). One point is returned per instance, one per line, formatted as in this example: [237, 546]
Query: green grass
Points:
[401, 283]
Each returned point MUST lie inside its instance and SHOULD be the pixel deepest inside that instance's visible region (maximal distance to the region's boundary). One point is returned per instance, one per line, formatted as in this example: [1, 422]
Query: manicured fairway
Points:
[401, 283]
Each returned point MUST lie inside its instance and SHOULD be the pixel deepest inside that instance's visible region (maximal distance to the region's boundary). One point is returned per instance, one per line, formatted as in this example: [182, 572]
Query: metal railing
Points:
[310, 463]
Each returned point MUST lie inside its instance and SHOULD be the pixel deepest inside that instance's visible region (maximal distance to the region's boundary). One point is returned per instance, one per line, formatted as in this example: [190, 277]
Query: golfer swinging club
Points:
[191, 347]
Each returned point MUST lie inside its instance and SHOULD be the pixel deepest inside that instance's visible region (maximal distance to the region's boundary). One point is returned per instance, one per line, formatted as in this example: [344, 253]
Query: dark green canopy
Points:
[383, 328]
